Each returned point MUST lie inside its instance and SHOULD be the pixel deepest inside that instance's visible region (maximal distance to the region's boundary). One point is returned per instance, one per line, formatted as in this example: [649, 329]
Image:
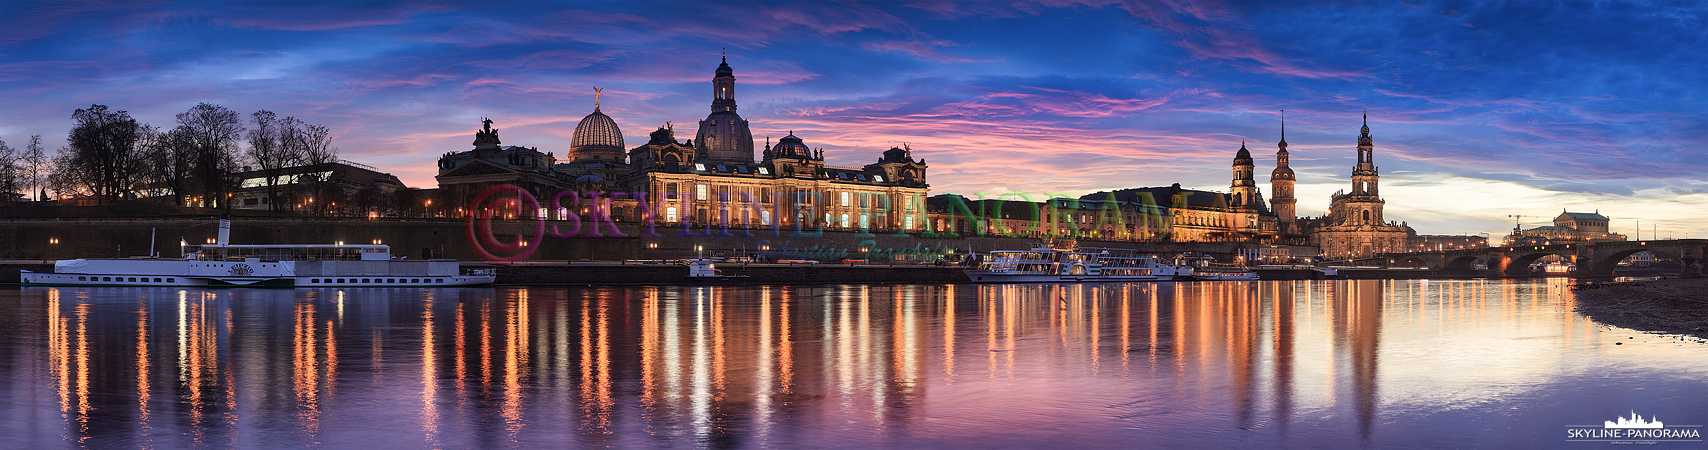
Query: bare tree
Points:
[9, 171]
[270, 153]
[103, 152]
[212, 132]
[168, 162]
[34, 157]
[312, 147]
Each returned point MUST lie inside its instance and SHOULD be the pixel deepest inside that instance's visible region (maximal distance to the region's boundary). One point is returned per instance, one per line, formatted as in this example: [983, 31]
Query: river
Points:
[1267, 364]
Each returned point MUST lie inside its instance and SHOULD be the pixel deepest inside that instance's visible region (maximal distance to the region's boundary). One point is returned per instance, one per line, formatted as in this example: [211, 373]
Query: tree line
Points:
[111, 156]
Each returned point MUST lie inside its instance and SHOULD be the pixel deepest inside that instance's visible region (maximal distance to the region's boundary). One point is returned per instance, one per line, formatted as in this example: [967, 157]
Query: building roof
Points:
[1589, 216]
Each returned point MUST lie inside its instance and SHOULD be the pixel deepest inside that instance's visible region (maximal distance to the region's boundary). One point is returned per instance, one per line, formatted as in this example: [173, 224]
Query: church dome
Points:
[596, 138]
[1281, 173]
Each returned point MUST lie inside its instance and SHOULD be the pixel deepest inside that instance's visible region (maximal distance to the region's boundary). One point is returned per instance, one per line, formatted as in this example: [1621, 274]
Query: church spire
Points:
[1283, 143]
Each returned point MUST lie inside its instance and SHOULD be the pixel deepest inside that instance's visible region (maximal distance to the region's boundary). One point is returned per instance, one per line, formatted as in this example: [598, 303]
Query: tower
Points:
[1244, 186]
[1281, 184]
[1365, 203]
[724, 135]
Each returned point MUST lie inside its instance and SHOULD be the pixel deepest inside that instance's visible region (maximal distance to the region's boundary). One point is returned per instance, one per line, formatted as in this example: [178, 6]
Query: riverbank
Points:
[1674, 306]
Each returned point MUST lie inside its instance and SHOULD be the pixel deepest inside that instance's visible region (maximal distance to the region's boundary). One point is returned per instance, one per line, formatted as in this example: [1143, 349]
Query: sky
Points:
[1480, 110]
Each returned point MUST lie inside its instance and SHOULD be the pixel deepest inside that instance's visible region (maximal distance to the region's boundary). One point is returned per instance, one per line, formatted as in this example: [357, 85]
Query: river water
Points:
[1269, 364]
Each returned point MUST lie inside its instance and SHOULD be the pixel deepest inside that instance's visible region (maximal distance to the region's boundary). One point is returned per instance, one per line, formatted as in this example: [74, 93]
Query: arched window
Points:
[1366, 216]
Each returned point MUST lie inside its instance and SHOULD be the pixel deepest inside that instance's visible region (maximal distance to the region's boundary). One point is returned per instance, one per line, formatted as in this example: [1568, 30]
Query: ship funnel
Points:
[224, 232]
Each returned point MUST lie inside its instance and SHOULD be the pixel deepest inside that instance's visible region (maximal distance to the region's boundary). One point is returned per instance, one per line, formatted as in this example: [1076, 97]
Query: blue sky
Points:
[1479, 109]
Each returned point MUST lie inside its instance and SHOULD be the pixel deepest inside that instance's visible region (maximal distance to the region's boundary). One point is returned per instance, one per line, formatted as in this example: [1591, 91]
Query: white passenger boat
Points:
[291, 265]
[1043, 264]
[705, 271]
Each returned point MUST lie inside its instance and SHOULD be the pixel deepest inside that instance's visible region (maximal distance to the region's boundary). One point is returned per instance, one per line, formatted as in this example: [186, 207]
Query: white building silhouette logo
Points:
[1636, 421]
[1634, 429]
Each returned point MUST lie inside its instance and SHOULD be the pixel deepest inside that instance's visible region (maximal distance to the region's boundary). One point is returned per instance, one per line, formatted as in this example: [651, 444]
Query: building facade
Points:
[711, 181]
[1568, 228]
[1354, 226]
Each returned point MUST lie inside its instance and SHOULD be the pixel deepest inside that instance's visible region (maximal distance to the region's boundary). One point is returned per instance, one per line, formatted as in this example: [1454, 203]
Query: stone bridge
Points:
[1595, 259]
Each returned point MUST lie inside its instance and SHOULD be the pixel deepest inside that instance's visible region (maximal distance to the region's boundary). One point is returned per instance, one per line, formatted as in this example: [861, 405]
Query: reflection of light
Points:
[429, 375]
[142, 373]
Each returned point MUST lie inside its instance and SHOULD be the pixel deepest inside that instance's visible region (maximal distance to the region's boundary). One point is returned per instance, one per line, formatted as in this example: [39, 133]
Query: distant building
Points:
[1436, 243]
[709, 180]
[1354, 226]
[342, 187]
[1568, 227]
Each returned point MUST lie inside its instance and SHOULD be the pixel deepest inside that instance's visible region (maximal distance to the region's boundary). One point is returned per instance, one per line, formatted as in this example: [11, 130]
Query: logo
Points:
[242, 270]
[1634, 430]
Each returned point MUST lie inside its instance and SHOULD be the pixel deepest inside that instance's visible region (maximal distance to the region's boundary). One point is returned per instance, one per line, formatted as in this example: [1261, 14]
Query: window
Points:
[699, 167]
[764, 194]
[908, 222]
[765, 217]
[314, 281]
[670, 191]
[365, 280]
[670, 215]
[844, 198]
[81, 279]
[764, 171]
[700, 192]
[844, 221]
[171, 280]
[438, 280]
[340, 281]
[865, 221]
[156, 280]
[827, 221]
[878, 178]
[133, 279]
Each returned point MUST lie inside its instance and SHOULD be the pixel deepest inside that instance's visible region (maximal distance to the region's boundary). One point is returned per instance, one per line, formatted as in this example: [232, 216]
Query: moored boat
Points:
[1043, 264]
[222, 264]
[705, 271]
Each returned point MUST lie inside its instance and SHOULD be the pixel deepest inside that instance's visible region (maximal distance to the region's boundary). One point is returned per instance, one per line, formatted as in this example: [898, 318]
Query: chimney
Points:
[224, 232]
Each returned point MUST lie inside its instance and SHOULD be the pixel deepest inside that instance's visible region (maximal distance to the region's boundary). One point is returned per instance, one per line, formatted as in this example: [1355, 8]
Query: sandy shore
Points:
[1677, 306]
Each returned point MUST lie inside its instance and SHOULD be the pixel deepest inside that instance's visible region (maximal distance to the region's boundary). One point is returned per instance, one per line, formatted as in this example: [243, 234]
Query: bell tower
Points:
[1281, 184]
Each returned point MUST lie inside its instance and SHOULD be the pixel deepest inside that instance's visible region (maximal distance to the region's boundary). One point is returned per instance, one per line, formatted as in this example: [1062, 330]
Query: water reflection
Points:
[1242, 364]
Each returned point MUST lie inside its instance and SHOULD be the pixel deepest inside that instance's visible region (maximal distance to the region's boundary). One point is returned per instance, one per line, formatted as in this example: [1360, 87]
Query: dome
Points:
[590, 182]
[1281, 173]
[724, 70]
[596, 138]
[1243, 158]
[791, 147]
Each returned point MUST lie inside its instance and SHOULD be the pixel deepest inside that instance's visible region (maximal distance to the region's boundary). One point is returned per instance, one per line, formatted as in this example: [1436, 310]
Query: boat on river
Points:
[222, 264]
[705, 272]
[1043, 264]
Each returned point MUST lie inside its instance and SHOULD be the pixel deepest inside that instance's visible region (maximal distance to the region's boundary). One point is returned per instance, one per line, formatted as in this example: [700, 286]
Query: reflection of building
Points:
[1568, 227]
[1354, 227]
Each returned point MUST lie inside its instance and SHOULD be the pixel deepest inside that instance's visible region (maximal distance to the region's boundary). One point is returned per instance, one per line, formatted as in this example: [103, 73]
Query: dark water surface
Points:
[1271, 364]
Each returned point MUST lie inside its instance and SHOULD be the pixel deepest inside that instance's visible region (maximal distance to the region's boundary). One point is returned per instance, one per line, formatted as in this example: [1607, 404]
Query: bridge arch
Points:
[1519, 266]
[1466, 262]
[1411, 262]
[1604, 265]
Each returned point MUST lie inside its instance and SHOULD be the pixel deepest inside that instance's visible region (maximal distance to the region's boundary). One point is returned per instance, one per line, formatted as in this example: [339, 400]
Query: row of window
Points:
[376, 280]
[311, 280]
[122, 279]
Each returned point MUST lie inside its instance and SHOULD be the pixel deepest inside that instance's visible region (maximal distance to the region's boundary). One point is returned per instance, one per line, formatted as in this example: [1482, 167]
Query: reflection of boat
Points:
[1043, 264]
[703, 271]
[290, 265]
